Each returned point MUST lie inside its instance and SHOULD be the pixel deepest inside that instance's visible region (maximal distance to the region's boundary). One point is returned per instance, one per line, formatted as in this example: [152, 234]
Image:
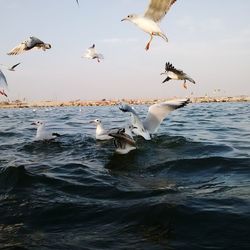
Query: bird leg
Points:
[185, 85]
[3, 93]
[148, 44]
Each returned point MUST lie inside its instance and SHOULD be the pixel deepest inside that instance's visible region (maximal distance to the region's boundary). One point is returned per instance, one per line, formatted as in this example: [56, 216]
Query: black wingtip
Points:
[56, 134]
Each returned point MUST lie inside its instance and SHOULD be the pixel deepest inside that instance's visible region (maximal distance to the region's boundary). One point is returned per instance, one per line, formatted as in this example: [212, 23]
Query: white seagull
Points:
[29, 44]
[148, 22]
[3, 83]
[12, 68]
[156, 114]
[42, 133]
[91, 53]
[176, 74]
[101, 133]
[123, 141]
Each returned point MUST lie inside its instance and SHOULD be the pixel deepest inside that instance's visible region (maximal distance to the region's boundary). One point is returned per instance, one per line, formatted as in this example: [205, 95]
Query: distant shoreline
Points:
[104, 102]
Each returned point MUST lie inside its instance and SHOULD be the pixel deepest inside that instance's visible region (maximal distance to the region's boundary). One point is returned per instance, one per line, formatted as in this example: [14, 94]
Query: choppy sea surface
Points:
[188, 188]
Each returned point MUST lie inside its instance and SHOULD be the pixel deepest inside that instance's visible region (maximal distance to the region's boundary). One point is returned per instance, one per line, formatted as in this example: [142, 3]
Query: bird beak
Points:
[124, 19]
[92, 122]
[33, 123]
[162, 73]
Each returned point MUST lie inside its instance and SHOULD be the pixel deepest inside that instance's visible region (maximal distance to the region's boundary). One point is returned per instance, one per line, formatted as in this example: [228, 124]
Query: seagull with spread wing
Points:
[149, 21]
[29, 44]
[3, 83]
[91, 53]
[156, 114]
[176, 74]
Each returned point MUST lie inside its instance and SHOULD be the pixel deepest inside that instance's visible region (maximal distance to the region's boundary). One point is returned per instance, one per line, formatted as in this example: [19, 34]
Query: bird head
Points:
[129, 17]
[96, 121]
[47, 46]
[38, 123]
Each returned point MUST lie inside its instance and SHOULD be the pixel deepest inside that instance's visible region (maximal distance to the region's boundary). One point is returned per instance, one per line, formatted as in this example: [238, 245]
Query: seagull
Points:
[101, 133]
[91, 53]
[12, 68]
[42, 133]
[176, 74]
[3, 83]
[156, 114]
[123, 141]
[29, 44]
[148, 22]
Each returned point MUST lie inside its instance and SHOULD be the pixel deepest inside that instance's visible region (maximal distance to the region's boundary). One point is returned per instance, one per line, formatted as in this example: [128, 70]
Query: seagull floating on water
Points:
[148, 22]
[101, 133]
[29, 44]
[91, 53]
[123, 141]
[42, 133]
[3, 83]
[176, 74]
[156, 114]
[12, 68]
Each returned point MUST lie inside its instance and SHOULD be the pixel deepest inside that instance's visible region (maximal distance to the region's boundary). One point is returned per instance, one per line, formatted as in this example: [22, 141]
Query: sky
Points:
[209, 40]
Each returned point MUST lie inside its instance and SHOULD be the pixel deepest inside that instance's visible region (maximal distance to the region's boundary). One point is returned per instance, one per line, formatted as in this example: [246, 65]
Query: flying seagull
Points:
[12, 68]
[148, 22]
[29, 44]
[42, 133]
[156, 114]
[123, 141]
[176, 74]
[91, 53]
[3, 83]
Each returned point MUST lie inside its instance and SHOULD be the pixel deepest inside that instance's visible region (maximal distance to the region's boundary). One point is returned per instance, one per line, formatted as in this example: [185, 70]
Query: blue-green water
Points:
[188, 188]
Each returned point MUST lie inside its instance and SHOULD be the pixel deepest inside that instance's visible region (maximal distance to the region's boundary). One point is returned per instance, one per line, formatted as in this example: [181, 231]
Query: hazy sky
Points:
[209, 40]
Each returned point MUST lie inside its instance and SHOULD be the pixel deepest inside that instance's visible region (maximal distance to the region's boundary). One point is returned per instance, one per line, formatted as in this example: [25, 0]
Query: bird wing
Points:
[3, 80]
[90, 52]
[33, 41]
[123, 138]
[100, 56]
[15, 65]
[170, 67]
[18, 49]
[158, 112]
[136, 122]
[157, 9]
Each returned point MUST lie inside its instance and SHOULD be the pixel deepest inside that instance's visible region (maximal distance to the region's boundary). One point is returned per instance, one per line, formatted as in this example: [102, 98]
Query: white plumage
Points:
[42, 133]
[176, 74]
[101, 133]
[3, 84]
[3, 80]
[29, 44]
[156, 114]
[148, 22]
[91, 53]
